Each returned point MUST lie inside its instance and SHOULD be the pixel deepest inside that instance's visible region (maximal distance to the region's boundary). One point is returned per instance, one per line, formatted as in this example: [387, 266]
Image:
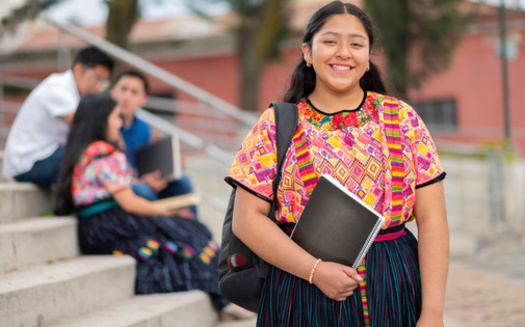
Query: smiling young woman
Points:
[379, 149]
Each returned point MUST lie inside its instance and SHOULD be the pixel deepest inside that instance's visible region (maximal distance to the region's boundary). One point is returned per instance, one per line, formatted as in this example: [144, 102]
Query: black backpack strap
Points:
[285, 125]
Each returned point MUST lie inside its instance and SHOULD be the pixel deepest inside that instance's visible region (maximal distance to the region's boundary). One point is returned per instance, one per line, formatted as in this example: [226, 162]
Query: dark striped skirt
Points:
[172, 254]
[389, 295]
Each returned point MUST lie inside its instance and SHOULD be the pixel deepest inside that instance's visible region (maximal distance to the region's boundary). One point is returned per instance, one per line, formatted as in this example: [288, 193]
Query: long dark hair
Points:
[303, 78]
[89, 125]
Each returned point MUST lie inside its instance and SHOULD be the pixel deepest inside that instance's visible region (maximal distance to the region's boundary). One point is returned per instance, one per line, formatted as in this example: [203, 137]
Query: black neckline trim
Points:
[340, 111]
[439, 178]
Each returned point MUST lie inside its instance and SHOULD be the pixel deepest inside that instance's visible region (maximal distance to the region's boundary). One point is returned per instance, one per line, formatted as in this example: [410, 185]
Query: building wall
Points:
[219, 76]
[474, 81]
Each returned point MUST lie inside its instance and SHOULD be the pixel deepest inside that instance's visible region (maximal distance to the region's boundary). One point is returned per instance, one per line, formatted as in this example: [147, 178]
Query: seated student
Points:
[35, 144]
[131, 89]
[174, 252]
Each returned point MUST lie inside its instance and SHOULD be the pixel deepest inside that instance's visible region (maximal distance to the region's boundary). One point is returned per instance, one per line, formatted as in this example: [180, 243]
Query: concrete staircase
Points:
[45, 281]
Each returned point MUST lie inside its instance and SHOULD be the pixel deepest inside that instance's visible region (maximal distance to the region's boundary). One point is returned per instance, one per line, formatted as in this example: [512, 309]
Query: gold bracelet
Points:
[311, 278]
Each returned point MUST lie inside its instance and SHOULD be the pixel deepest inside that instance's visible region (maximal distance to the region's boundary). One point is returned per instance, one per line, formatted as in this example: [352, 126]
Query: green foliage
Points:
[27, 10]
[246, 8]
[15, 90]
[428, 28]
[256, 17]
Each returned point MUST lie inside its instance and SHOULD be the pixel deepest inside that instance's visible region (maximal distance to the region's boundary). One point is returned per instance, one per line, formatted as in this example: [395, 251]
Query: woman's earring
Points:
[368, 68]
[308, 64]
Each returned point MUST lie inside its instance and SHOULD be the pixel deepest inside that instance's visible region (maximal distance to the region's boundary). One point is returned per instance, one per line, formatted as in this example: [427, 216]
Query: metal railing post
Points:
[188, 138]
[2, 114]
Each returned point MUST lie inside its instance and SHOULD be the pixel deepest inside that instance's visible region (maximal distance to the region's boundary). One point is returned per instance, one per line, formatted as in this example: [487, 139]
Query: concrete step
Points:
[36, 241]
[240, 323]
[22, 200]
[192, 308]
[1, 165]
[45, 294]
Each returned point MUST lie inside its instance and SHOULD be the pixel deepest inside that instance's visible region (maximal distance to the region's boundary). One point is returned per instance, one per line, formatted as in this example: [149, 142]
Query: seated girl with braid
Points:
[174, 252]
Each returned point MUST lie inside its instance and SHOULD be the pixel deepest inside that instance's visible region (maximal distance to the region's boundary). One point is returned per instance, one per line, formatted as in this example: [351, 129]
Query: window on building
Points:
[439, 116]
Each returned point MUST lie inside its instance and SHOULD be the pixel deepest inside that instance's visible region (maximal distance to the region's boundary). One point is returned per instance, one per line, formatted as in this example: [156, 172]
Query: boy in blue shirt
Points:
[131, 90]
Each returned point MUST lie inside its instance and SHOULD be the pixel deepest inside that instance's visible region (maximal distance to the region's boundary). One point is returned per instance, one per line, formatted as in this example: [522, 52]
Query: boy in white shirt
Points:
[35, 144]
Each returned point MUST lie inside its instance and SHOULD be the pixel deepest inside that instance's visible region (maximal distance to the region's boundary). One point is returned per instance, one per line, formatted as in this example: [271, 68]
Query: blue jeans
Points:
[44, 172]
[177, 187]
[144, 191]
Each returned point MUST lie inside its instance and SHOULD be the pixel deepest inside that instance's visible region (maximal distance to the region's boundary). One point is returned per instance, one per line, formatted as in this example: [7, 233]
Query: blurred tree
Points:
[261, 28]
[122, 15]
[429, 29]
[262, 25]
[23, 11]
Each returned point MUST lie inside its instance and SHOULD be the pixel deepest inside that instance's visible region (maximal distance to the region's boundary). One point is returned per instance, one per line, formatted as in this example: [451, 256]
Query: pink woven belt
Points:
[387, 236]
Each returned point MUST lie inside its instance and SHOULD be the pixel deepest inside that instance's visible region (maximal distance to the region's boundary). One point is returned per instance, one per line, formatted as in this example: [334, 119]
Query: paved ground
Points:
[488, 288]
[484, 290]
[243, 323]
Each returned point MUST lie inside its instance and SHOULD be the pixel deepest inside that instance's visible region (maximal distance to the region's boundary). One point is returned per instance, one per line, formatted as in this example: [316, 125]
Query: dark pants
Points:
[177, 187]
[44, 172]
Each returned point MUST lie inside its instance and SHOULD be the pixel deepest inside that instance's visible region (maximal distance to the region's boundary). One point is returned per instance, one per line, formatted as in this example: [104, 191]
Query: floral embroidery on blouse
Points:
[342, 119]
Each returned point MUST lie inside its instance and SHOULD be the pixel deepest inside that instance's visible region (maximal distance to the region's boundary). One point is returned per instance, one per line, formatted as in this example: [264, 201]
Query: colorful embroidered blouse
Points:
[101, 170]
[349, 145]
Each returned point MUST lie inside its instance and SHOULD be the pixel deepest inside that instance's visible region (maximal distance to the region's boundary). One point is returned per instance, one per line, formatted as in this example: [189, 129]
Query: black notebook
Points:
[163, 155]
[336, 225]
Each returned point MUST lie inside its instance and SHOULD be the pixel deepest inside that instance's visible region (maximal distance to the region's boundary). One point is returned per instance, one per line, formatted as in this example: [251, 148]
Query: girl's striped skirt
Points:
[389, 295]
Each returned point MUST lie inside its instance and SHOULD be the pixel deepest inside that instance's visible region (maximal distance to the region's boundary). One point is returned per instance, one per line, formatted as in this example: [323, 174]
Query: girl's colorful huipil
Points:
[355, 147]
[100, 171]
[351, 146]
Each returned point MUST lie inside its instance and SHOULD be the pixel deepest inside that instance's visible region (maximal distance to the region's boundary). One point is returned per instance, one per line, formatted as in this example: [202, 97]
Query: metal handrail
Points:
[158, 123]
[157, 72]
[161, 104]
[171, 80]
[188, 138]
[18, 81]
